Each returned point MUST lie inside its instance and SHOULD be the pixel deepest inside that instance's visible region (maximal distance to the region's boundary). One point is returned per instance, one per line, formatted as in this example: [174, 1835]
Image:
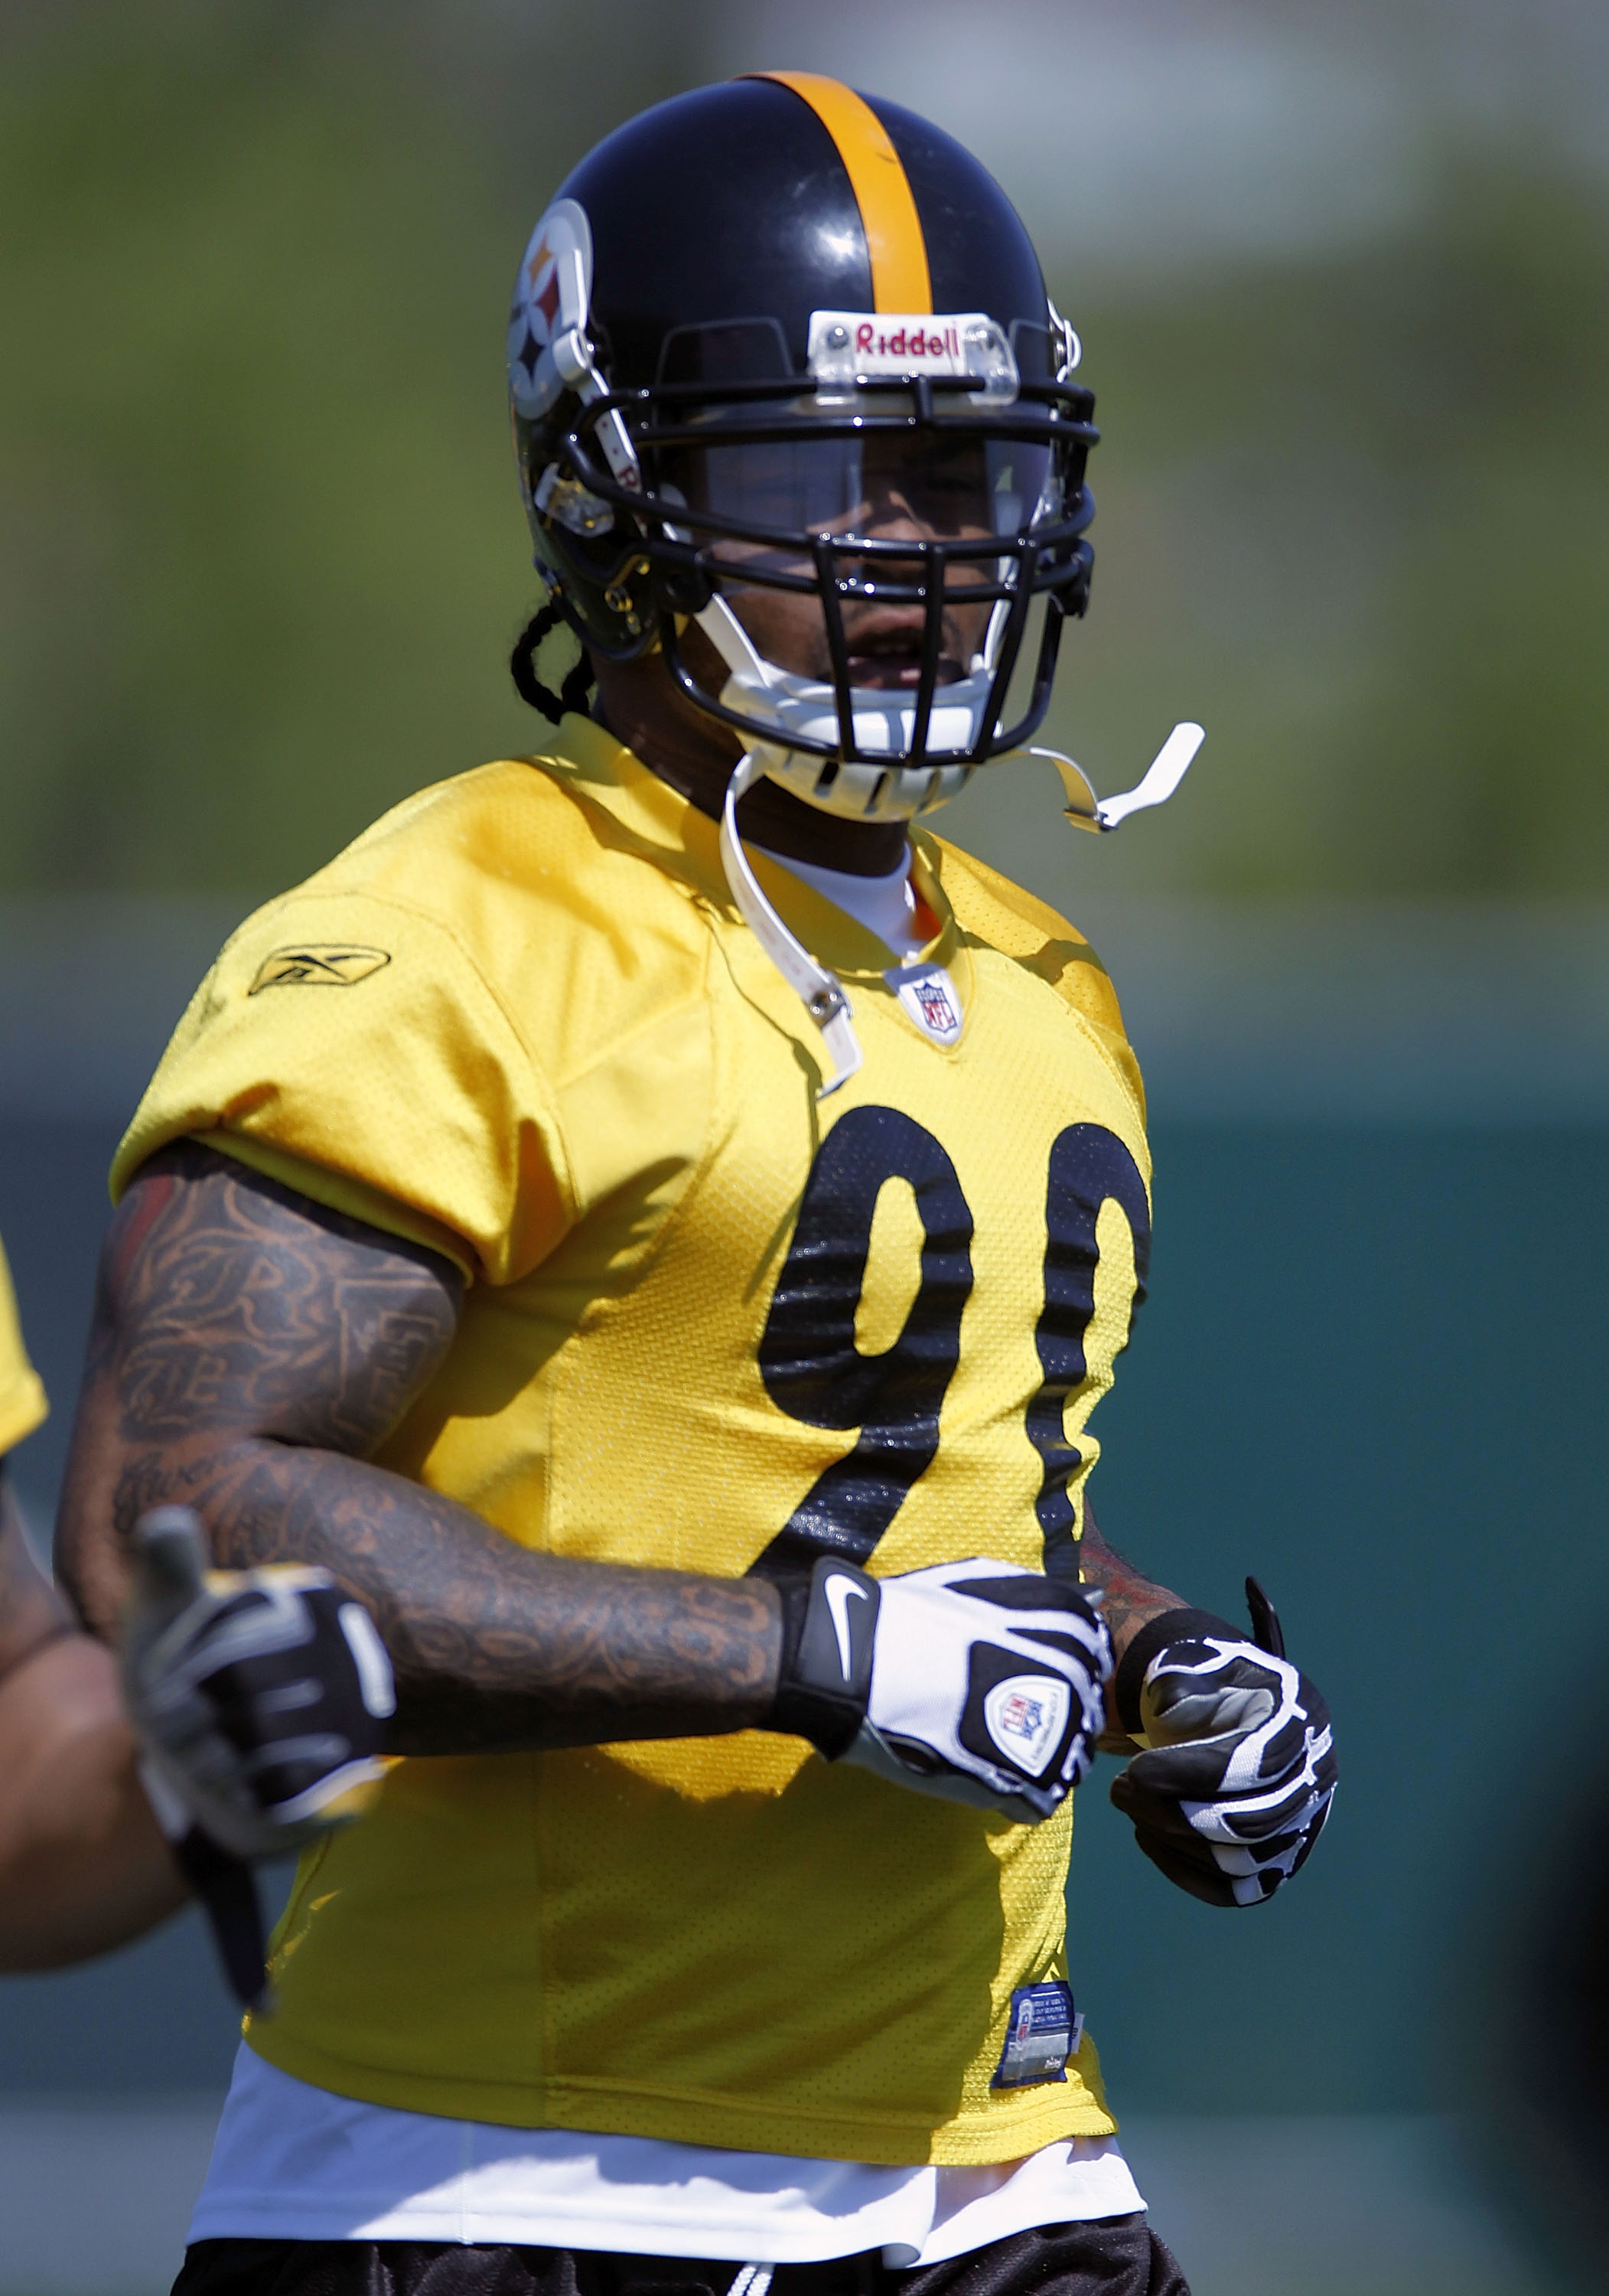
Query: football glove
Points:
[1241, 1771]
[259, 1698]
[973, 1681]
[260, 1695]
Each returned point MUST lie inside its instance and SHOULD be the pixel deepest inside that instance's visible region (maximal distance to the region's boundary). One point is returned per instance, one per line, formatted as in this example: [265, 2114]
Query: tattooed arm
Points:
[1130, 1601]
[250, 1350]
[82, 1866]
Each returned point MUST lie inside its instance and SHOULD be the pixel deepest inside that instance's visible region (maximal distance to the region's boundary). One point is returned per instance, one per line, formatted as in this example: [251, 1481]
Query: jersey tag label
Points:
[1042, 2031]
[928, 996]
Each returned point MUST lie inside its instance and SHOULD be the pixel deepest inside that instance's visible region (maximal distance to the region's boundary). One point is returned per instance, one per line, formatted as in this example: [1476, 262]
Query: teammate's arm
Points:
[250, 1350]
[83, 1866]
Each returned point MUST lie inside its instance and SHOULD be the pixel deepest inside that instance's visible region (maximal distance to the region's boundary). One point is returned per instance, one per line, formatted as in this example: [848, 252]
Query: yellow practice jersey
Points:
[21, 1396]
[710, 1319]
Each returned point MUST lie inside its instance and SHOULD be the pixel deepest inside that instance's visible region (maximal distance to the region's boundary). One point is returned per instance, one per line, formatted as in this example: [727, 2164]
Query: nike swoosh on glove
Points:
[260, 1696]
[973, 1681]
[1235, 1790]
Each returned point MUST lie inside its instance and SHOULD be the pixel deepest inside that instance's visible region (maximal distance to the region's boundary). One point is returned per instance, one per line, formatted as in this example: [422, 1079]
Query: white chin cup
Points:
[884, 724]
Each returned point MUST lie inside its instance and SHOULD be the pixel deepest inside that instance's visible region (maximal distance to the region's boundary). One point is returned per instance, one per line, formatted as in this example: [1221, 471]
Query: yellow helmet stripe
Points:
[899, 280]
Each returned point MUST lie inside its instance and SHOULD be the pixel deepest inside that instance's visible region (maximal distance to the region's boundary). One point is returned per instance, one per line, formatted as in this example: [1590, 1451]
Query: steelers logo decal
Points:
[542, 294]
[551, 293]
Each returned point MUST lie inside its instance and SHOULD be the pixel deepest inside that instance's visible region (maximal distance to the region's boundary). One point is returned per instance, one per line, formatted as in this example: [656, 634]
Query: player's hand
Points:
[259, 1696]
[973, 1681]
[1235, 1790]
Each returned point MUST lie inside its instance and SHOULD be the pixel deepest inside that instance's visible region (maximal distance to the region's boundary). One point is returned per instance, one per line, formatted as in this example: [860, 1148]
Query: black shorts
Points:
[1110, 2256]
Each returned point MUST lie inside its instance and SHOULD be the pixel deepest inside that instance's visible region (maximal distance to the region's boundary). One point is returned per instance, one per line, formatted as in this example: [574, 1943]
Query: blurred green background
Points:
[261, 557]
[1341, 276]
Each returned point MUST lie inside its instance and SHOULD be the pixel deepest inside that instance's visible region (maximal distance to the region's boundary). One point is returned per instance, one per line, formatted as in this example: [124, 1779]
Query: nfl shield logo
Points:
[928, 996]
[938, 1013]
[1022, 1717]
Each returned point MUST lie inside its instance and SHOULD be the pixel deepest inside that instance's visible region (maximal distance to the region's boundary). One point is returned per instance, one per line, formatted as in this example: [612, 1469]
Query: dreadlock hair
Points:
[578, 683]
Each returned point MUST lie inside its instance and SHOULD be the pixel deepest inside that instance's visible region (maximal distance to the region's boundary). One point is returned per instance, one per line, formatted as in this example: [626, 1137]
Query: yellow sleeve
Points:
[23, 1404]
[349, 1045]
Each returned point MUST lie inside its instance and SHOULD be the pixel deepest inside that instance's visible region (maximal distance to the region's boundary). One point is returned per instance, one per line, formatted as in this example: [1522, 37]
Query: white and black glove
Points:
[973, 1681]
[1235, 1790]
[260, 1699]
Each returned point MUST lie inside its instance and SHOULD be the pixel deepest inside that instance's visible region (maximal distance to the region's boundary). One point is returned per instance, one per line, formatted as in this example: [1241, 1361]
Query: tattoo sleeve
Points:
[250, 1350]
[1131, 1600]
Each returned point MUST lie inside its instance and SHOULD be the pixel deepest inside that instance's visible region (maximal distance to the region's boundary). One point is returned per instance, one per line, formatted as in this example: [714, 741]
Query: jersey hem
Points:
[1010, 2129]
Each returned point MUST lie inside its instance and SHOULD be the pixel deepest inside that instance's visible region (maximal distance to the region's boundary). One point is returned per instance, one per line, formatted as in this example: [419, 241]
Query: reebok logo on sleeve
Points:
[324, 964]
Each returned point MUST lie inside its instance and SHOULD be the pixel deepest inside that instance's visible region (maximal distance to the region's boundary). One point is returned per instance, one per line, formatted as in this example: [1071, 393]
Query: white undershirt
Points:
[886, 906]
[296, 2162]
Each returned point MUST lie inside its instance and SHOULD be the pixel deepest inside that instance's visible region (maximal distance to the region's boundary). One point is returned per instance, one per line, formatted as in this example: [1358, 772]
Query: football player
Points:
[654, 1223]
[83, 1863]
[99, 1836]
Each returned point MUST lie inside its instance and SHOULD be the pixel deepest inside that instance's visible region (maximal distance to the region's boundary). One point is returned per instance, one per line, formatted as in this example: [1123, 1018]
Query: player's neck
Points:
[640, 706]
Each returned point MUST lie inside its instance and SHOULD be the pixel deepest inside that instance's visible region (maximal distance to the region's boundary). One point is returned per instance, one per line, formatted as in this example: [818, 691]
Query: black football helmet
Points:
[751, 315]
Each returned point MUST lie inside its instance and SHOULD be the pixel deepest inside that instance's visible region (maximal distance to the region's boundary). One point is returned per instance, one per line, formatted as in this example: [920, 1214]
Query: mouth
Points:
[886, 652]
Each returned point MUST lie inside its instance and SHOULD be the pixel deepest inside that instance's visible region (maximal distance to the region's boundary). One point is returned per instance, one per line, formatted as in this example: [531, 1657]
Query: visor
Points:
[868, 486]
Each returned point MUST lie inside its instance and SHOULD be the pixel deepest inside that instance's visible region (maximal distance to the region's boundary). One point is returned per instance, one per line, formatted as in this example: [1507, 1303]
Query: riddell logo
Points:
[908, 342]
[881, 345]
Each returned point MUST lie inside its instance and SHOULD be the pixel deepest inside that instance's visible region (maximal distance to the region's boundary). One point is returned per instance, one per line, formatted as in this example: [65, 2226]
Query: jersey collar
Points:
[587, 759]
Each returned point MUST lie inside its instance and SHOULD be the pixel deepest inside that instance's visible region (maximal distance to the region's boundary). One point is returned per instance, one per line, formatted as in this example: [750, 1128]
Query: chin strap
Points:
[1156, 785]
[820, 991]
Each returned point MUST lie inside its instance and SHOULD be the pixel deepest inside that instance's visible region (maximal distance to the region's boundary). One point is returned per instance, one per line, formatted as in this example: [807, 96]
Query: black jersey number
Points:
[809, 1363]
[1089, 1167]
[814, 1372]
